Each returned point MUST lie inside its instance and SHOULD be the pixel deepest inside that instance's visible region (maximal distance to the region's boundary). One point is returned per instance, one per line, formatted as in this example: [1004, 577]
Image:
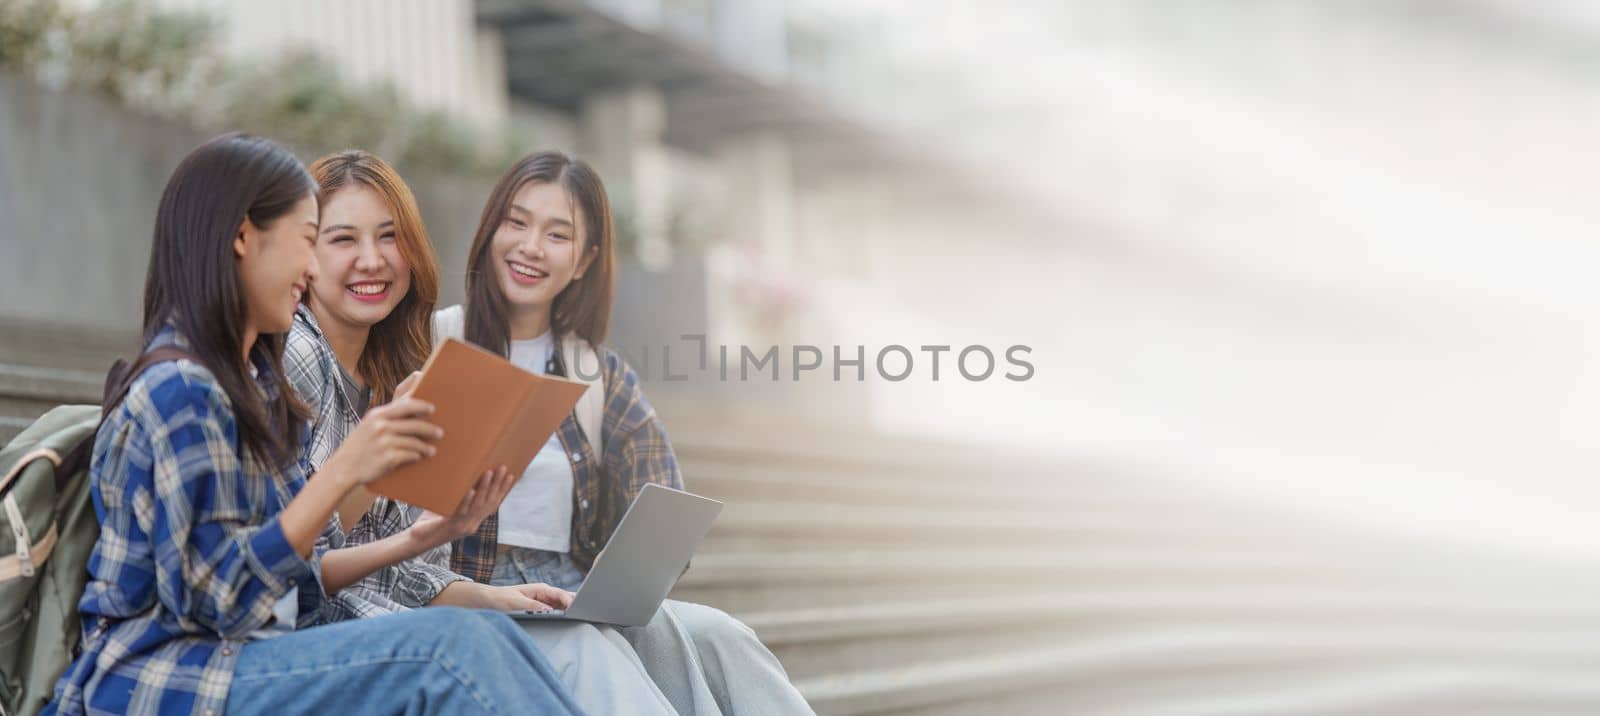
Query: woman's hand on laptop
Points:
[527, 597]
[431, 530]
[510, 598]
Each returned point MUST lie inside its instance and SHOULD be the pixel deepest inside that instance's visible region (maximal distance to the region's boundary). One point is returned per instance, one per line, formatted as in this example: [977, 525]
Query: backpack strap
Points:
[30, 554]
[118, 381]
[26, 460]
[585, 367]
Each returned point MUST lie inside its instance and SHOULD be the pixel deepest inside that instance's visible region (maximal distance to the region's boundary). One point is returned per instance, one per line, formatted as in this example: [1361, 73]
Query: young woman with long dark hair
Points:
[540, 279]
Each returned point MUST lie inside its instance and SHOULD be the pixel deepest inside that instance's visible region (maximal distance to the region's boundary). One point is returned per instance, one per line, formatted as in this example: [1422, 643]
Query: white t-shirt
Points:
[538, 511]
[286, 611]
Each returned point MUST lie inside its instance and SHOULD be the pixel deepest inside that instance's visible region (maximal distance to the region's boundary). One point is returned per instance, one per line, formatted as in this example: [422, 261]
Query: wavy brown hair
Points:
[400, 343]
[583, 307]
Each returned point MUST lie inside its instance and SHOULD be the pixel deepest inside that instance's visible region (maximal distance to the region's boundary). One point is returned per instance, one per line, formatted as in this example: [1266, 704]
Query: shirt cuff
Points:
[274, 560]
[427, 582]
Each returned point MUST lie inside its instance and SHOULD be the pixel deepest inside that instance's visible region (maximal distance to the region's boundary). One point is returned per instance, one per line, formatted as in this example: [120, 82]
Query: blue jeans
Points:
[704, 661]
[436, 660]
[520, 565]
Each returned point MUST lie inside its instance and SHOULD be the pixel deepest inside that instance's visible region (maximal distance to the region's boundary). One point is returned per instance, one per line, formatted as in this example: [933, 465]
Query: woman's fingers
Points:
[558, 598]
[482, 499]
[402, 449]
[503, 482]
[489, 493]
[414, 427]
[403, 390]
[468, 504]
[406, 407]
[492, 489]
[518, 601]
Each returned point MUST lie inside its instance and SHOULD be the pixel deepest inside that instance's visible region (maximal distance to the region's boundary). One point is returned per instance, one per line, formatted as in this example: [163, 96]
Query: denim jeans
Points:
[520, 565]
[704, 661]
[435, 660]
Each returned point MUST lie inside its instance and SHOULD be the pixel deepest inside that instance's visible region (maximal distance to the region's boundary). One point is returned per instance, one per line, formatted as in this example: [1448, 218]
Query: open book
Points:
[493, 413]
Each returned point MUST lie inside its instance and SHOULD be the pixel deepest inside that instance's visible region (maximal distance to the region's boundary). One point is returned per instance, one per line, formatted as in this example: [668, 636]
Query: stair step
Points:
[814, 642]
[11, 426]
[1230, 664]
[1143, 608]
[1290, 690]
[817, 523]
[1050, 494]
[58, 384]
[53, 345]
[845, 449]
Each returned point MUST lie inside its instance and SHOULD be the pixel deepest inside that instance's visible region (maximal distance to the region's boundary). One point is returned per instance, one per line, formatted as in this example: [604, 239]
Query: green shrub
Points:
[167, 63]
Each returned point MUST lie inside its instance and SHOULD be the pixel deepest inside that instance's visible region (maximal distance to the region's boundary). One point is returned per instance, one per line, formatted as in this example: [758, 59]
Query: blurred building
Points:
[741, 127]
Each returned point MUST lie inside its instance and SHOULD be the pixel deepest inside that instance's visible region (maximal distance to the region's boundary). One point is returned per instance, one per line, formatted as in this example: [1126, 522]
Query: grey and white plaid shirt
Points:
[313, 370]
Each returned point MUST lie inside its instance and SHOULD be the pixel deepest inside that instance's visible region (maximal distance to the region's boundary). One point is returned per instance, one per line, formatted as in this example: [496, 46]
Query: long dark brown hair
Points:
[400, 343]
[193, 281]
[583, 307]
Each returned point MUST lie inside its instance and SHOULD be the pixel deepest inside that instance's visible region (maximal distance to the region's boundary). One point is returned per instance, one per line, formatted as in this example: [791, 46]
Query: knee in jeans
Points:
[496, 624]
[455, 628]
[712, 626]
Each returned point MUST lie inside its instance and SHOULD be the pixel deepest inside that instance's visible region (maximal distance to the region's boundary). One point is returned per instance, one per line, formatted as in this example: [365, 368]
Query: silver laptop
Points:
[646, 555]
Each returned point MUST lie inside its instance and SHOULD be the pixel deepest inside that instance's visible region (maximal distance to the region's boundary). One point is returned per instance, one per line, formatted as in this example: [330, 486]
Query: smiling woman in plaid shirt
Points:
[539, 290]
[363, 327]
[209, 583]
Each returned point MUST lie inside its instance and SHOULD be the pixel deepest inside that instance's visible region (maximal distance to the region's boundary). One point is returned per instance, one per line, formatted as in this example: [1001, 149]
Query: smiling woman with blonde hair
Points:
[364, 327]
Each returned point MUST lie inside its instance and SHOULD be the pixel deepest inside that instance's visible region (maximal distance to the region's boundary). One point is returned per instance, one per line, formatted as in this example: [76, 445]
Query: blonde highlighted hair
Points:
[401, 342]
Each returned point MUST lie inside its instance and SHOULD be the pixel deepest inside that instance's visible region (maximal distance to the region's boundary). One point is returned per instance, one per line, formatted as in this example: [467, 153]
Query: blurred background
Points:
[1304, 286]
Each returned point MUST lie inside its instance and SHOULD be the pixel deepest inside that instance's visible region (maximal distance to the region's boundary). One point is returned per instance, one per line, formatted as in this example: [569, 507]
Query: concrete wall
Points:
[79, 184]
[80, 179]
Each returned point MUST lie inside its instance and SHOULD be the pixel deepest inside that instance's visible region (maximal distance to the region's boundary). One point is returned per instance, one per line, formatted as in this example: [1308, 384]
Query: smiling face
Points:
[362, 272]
[276, 265]
[537, 248]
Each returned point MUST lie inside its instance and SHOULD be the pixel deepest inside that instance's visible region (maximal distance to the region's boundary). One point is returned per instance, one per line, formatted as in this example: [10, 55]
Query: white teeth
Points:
[528, 271]
[369, 289]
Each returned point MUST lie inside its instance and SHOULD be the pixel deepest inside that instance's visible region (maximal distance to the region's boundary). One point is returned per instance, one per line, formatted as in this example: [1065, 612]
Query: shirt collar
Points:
[305, 317]
[265, 379]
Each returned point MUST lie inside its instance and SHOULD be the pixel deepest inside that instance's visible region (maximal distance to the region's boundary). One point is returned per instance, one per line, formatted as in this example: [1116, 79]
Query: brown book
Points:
[493, 413]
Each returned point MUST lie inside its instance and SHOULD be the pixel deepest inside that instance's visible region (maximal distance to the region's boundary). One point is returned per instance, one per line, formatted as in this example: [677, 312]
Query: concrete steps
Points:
[1192, 676]
[949, 589]
[900, 577]
[27, 392]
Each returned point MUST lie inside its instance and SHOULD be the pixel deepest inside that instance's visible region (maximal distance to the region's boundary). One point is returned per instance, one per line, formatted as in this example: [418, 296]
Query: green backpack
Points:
[47, 530]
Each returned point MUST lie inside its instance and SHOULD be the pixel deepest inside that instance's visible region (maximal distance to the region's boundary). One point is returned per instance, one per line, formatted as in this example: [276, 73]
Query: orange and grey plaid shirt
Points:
[637, 454]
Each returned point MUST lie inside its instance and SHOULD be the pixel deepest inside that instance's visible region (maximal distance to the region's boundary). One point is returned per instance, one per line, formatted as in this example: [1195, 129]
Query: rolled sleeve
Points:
[275, 560]
[421, 582]
[218, 564]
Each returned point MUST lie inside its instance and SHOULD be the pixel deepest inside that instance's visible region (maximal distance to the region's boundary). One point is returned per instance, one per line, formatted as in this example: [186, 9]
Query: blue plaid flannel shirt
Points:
[191, 556]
